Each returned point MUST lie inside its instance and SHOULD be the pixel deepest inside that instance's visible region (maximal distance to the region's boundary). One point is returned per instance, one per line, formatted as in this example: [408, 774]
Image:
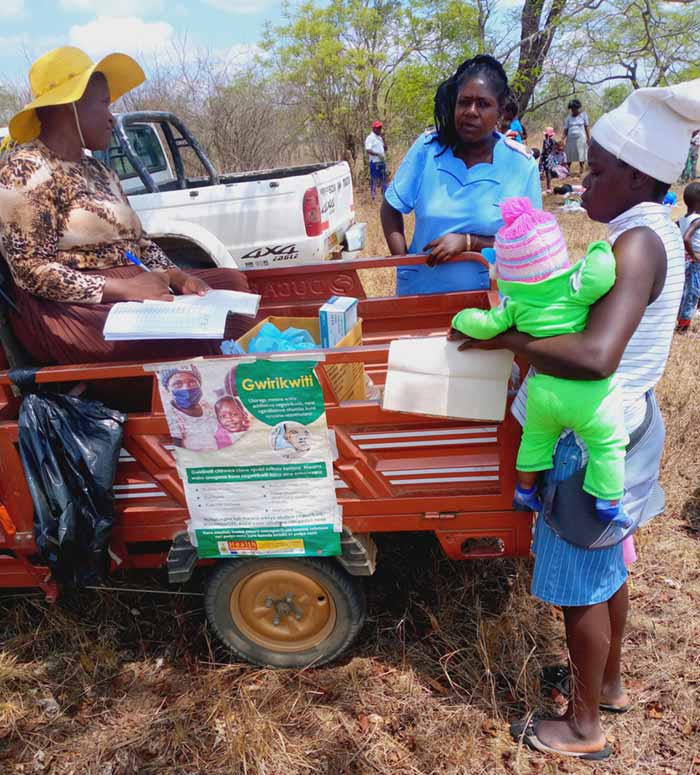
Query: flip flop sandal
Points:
[526, 732]
[556, 680]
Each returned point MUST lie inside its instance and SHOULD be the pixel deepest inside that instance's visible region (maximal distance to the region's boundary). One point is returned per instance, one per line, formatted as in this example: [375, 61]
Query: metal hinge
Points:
[439, 515]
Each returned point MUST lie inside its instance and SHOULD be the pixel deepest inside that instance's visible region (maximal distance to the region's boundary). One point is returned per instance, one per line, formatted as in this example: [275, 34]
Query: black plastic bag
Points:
[70, 448]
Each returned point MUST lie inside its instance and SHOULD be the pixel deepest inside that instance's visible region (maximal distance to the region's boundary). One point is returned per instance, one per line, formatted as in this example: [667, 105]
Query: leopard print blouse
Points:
[59, 217]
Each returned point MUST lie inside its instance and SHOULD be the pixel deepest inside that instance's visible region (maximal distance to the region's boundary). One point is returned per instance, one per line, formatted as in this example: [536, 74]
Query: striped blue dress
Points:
[568, 575]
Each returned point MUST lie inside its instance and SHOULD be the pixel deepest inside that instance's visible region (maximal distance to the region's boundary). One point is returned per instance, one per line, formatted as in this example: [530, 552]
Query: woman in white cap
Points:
[66, 226]
[637, 151]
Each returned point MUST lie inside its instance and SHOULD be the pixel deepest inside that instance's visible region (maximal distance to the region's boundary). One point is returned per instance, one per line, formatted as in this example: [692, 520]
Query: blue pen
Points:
[137, 262]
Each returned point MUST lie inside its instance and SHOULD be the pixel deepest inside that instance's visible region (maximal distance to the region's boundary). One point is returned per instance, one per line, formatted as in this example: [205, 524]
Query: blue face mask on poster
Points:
[186, 398]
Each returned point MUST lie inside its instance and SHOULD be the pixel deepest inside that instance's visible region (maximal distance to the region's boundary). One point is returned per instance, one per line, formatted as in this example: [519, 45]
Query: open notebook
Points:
[186, 317]
[430, 376]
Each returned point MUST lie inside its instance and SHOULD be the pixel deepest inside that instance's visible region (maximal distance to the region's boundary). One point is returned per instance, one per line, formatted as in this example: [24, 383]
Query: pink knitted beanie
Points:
[530, 246]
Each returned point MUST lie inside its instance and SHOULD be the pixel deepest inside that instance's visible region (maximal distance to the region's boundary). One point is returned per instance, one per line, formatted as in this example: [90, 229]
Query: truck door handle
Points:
[194, 194]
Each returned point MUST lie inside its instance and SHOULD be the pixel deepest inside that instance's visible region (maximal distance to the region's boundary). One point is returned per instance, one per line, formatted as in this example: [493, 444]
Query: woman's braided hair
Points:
[490, 69]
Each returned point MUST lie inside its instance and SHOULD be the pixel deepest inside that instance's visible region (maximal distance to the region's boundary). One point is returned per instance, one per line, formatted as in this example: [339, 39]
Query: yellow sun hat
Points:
[61, 77]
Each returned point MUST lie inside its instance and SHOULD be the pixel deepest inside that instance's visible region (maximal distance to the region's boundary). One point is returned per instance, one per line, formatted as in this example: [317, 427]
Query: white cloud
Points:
[129, 35]
[239, 55]
[237, 6]
[11, 8]
[113, 7]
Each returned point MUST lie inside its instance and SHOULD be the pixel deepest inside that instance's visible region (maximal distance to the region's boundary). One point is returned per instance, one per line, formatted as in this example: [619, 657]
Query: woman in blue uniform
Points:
[454, 178]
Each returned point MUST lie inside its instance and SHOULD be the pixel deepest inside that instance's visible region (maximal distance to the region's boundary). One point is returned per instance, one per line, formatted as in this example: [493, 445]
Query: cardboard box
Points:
[348, 380]
[337, 317]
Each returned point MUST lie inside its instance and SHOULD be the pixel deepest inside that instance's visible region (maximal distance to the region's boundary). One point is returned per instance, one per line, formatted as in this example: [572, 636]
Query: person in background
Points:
[559, 165]
[375, 145]
[546, 160]
[691, 166]
[66, 225]
[577, 135]
[511, 126]
[453, 180]
[689, 225]
[629, 333]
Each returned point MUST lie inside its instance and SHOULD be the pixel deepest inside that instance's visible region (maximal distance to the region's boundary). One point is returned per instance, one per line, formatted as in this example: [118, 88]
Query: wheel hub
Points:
[283, 609]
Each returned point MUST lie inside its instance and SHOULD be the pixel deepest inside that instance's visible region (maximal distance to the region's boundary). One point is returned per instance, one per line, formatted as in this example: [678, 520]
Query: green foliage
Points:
[351, 61]
[613, 96]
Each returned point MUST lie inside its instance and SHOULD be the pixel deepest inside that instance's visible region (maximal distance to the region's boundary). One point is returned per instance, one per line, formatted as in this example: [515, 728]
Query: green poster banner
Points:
[253, 452]
[311, 540]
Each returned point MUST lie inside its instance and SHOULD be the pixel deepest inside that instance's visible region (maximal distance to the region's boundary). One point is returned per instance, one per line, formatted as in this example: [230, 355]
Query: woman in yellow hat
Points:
[66, 225]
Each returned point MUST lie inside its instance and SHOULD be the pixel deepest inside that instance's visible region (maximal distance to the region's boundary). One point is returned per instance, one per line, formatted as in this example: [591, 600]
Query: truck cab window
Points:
[145, 143]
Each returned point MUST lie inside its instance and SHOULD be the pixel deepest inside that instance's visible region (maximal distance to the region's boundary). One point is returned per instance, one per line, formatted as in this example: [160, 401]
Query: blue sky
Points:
[29, 28]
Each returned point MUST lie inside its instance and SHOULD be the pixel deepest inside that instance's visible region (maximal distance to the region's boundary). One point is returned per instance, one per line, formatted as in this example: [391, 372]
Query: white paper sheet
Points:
[430, 376]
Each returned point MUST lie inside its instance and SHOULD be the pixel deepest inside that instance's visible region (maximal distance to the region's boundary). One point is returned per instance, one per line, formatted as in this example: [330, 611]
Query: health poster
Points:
[252, 448]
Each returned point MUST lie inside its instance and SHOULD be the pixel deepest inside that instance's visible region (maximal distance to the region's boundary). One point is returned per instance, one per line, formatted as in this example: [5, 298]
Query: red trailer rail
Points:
[395, 472]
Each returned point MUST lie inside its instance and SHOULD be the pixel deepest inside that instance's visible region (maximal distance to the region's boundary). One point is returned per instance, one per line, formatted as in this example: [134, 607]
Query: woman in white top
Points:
[576, 134]
[629, 332]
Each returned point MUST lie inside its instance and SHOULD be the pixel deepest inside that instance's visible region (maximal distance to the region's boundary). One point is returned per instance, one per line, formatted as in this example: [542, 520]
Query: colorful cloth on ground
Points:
[59, 217]
[447, 197]
[593, 408]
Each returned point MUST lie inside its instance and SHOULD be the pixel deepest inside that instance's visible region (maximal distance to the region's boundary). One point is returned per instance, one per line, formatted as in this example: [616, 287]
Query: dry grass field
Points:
[122, 683]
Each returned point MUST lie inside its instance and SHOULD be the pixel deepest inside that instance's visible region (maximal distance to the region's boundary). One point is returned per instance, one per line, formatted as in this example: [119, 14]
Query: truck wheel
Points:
[285, 612]
[185, 255]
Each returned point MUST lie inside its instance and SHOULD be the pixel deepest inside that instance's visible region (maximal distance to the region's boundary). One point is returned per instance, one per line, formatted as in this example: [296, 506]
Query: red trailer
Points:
[395, 472]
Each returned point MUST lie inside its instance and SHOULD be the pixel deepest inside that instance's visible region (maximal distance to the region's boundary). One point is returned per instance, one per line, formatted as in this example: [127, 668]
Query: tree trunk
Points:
[536, 35]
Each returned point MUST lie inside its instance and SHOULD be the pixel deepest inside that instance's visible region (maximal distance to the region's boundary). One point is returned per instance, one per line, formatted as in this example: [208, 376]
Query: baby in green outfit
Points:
[543, 295]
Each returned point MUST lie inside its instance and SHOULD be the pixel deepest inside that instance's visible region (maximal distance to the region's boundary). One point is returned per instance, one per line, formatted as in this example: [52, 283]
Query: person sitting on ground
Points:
[689, 225]
[453, 180]
[66, 224]
[577, 135]
[558, 163]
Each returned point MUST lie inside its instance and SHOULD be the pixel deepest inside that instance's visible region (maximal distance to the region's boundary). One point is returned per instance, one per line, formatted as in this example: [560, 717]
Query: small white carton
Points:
[337, 317]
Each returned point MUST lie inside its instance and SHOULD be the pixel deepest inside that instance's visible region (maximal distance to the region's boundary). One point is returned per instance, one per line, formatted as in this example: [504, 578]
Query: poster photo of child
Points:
[290, 439]
[233, 421]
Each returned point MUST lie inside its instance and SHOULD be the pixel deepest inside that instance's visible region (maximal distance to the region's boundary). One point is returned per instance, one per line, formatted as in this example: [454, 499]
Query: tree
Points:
[340, 63]
[640, 42]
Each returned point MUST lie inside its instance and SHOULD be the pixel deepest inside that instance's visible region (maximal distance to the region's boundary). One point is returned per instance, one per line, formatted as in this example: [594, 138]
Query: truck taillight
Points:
[312, 213]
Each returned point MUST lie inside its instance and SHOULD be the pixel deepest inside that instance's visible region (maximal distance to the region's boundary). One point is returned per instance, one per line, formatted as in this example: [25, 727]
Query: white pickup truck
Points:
[286, 216]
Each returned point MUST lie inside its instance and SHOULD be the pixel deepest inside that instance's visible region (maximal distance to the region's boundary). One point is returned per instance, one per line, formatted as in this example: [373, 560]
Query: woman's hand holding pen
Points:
[145, 286]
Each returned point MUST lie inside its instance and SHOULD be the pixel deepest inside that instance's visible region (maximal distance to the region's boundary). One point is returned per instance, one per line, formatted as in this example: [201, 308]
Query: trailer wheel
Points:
[285, 612]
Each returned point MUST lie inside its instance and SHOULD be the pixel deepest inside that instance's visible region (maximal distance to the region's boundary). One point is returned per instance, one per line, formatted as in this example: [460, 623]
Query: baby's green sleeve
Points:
[596, 275]
[485, 324]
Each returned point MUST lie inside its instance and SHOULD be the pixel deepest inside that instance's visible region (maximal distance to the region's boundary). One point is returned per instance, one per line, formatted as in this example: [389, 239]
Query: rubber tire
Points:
[346, 591]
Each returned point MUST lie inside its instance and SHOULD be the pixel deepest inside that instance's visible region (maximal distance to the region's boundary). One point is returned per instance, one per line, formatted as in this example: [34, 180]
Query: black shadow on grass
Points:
[690, 513]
